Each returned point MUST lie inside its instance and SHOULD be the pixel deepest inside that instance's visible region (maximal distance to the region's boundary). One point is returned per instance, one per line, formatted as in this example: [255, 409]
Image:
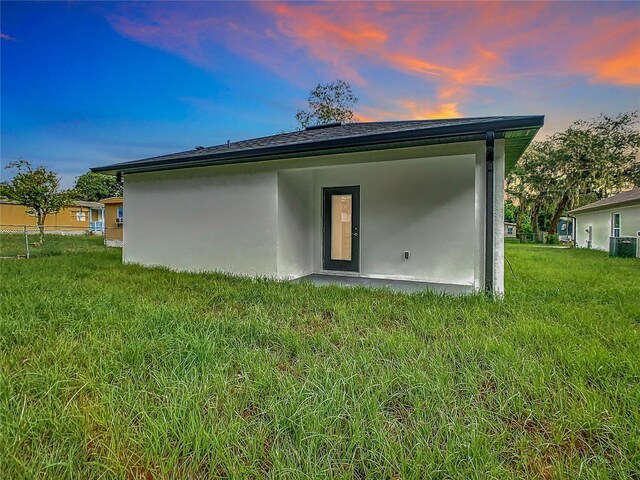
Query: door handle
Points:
[355, 234]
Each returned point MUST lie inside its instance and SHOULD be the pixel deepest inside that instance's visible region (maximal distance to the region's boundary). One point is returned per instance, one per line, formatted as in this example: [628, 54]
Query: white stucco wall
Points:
[221, 218]
[425, 206]
[600, 221]
[265, 219]
[295, 223]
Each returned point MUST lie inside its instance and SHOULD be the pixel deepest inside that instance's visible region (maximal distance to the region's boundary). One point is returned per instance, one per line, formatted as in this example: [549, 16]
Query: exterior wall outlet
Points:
[407, 254]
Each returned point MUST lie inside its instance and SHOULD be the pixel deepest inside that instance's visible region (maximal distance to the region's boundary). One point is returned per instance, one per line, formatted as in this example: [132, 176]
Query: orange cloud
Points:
[443, 110]
[416, 65]
[448, 92]
[407, 38]
[335, 41]
[341, 34]
[614, 57]
[417, 110]
[410, 110]
[622, 68]
[471, 47]
[449, 52]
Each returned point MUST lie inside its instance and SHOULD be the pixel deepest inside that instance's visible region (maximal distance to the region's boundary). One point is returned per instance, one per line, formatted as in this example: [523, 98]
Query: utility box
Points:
[623, 247]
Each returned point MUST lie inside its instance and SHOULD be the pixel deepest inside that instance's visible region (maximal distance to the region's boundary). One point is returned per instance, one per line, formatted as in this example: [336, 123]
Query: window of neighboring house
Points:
[120, 212]
[509, 230]
[80, 216]
[615, 225]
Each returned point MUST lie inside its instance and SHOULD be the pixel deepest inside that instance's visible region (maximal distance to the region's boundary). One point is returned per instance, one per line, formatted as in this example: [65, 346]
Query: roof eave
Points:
[444, 134]
[628, 203]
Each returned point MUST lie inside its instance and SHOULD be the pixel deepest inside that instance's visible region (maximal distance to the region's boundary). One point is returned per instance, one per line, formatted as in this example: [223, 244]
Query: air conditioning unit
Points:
[119, 220]
[622, 246]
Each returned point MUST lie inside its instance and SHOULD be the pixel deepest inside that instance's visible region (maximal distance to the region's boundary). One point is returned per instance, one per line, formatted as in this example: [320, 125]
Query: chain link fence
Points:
[539, 237]
[24, 241]
[544, 238]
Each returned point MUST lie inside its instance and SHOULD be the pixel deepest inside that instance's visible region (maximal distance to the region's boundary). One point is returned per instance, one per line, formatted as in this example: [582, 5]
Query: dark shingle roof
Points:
[628, 197]
[342, 138]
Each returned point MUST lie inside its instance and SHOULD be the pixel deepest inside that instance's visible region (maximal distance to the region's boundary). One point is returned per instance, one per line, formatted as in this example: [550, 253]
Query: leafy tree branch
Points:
[38, 189]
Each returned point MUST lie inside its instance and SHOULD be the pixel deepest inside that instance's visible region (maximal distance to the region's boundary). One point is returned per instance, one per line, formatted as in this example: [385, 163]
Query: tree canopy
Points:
[93, 187]
[590, 160]
[332, 102]
[38, 189]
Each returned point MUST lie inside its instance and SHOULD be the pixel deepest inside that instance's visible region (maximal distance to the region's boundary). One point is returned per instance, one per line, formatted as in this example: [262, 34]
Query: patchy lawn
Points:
[14, 245]
[120, 371]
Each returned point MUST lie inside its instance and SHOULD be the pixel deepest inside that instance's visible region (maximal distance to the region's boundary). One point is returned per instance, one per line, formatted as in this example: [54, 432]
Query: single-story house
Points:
[114, 221]
[78, 218]
[509, 230]
[370, 202]
[616, 216]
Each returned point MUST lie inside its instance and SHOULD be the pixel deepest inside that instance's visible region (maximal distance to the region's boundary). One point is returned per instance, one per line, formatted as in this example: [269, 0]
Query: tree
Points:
[38, 189]
[530, 184]
[517, 195]
[510, 211]
[594, 159]
[590, 160]
[332, 102]
[93, 187]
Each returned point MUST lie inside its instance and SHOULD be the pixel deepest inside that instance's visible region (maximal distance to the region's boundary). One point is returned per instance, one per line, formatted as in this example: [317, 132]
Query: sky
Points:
[91, 83]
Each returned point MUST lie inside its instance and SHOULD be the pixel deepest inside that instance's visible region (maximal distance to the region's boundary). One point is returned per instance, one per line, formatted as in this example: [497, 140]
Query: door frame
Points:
[353, 265]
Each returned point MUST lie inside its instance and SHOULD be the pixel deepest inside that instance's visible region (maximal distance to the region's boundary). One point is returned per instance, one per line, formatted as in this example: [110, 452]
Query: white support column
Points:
[498, 218]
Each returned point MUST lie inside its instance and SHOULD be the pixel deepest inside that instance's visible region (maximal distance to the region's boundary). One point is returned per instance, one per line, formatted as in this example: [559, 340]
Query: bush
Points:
[552, 239]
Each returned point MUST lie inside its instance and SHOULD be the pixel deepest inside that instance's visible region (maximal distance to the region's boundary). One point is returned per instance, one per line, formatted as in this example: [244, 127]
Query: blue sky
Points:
[86, 83]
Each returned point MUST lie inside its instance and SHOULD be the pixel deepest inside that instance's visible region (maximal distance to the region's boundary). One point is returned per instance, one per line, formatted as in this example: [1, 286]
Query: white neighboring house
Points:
[362, 201]
[616, 216]
[510, 230]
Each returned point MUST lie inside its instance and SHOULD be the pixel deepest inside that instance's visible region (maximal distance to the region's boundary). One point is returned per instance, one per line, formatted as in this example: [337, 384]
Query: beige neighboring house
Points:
[114, 221]
[616, 216]
[78, 218]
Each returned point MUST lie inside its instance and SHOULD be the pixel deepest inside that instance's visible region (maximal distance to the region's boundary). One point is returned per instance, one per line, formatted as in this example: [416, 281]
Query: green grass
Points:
[119, 371]
[14, 245]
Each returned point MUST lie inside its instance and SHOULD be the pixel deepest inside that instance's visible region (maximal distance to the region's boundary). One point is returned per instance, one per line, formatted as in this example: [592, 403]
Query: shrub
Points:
[552, 239]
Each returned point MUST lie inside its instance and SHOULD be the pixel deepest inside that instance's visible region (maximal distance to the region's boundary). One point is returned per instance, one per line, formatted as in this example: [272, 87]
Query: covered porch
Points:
[409, 224]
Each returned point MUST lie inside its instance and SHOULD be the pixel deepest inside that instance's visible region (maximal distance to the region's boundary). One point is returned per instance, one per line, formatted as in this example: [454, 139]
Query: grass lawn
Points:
[120, 371]
[14, 245]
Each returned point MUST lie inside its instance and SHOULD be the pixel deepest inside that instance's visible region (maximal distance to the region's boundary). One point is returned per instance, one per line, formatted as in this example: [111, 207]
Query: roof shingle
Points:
[305, 140]
[629, 197]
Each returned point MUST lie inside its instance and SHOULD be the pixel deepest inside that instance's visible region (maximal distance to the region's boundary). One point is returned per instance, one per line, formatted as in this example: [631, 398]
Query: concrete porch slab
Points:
[405, 286]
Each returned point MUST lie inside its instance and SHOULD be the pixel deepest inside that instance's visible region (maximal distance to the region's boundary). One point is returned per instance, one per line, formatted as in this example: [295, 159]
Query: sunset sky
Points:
[85, 84]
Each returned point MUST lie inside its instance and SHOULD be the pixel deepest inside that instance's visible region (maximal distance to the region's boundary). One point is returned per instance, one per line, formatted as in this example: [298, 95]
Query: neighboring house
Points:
[371, 202]
[114, 221]
[78, 218]
[616, 216]
[509, 230]
[565, 229]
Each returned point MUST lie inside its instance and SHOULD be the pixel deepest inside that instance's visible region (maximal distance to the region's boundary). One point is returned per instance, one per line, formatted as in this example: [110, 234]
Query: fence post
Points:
[26, 241]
